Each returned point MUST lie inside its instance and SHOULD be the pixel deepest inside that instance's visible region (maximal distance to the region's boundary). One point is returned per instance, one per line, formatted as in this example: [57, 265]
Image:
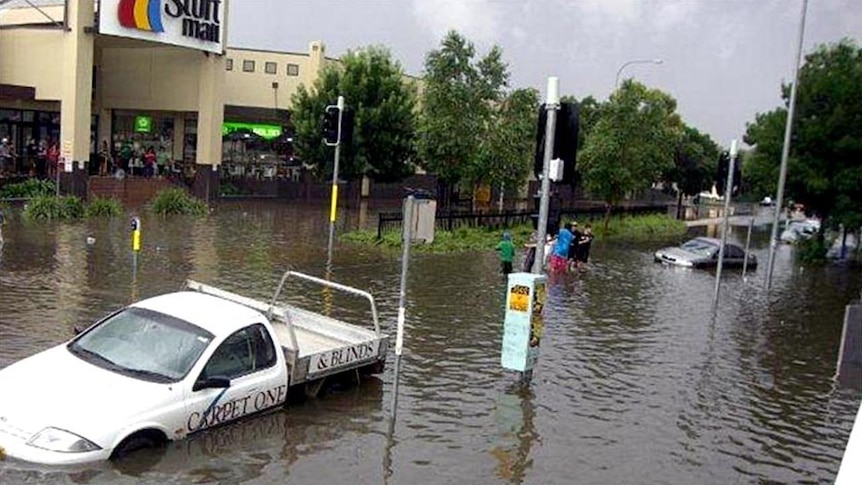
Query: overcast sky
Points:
[723, 60]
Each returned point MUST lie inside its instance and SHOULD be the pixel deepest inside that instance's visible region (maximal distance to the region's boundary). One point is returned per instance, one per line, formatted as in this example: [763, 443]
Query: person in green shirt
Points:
[506, 250]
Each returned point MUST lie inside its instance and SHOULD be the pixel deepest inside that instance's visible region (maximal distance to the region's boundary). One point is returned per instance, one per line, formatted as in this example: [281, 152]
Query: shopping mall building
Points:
[150, 73]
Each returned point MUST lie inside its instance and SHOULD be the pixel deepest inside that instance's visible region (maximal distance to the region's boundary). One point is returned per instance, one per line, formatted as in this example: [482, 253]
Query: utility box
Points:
[524, 322]
[555, 170]
[424, 218]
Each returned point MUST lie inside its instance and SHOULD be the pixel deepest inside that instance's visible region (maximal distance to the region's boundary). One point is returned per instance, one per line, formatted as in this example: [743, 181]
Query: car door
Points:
[248, 360]
[734, 255]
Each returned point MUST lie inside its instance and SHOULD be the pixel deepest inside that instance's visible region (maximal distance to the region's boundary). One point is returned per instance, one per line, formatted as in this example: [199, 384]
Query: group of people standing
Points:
[130, 159]
[572, 248]
[39, 159]
[569, 250]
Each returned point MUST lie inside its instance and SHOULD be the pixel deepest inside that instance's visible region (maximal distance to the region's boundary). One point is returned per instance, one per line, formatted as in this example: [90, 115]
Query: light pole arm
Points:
[634, 61]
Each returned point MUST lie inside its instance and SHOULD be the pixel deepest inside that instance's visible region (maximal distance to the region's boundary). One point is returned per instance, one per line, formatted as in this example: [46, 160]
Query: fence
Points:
[390, 221]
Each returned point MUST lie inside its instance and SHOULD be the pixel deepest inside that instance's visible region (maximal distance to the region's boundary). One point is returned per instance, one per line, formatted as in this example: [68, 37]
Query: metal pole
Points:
[785, 150]
[747, 246]
[407, 237]
[334, 203]
[552, 104]
[57, 174]
[727, 191]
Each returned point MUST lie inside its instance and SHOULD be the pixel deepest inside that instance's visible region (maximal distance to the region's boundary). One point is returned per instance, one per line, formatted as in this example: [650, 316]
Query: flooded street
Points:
[636, 381]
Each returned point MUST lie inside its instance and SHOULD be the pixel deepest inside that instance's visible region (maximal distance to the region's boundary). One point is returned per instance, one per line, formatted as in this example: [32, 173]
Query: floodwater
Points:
[637, 382]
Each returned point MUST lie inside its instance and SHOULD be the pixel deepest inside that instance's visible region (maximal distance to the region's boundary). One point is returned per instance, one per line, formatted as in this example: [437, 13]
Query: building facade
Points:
[142, 74]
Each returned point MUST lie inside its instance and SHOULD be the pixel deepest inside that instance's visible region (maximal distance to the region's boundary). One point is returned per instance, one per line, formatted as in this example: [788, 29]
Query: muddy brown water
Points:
[637, 382]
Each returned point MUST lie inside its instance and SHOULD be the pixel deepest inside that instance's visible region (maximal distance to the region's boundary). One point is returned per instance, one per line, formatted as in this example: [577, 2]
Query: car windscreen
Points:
[700, 247]
[144, 344]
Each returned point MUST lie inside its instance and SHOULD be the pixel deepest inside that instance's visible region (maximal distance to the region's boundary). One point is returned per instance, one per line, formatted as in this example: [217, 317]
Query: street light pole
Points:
[635, 61]
[785, 151]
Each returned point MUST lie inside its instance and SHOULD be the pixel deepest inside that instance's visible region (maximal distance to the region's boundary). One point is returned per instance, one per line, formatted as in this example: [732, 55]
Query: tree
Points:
[458, 100]
[823, 170]
[507, 156]
[384, 106]
[695, 159]
[631, 144]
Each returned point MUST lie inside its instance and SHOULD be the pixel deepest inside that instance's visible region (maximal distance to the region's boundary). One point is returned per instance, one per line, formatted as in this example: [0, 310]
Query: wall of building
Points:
[26, 15]
[255, 88]
[156, 78]
[33, 57]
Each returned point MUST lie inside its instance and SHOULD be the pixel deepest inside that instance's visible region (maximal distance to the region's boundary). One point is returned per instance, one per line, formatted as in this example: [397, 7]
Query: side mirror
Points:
[215, 382]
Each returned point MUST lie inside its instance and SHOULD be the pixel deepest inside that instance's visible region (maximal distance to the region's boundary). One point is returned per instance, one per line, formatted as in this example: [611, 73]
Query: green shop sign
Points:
[267, 132]
[143, 124]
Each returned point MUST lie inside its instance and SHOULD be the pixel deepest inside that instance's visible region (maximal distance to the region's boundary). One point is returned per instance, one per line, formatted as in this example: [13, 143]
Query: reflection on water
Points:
[637, 381]
[514, 416]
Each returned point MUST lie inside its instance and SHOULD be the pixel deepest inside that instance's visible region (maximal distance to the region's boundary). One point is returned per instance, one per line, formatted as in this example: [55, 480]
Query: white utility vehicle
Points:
[171, 365]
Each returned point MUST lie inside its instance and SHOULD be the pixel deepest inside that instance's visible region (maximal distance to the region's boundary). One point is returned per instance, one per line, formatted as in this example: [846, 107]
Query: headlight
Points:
[54, 439]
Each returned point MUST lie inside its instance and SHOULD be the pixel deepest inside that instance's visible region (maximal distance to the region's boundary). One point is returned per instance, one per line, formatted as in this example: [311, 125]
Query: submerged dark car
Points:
[702, 252]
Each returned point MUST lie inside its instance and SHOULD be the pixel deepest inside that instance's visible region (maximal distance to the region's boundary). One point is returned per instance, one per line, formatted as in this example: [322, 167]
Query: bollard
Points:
[524, 323]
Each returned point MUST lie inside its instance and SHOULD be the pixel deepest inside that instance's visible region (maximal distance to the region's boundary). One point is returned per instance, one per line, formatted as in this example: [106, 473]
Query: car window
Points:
[700, 247]
[734, 251]
[245, 351]
[144, 344]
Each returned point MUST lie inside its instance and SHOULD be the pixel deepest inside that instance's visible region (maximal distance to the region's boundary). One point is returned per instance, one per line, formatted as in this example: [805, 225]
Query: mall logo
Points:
[200, 18]
[141, 15]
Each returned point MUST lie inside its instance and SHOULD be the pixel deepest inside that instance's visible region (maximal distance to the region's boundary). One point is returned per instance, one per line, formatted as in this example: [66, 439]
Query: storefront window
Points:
[134, 133]
[190, 142]
[10, 115]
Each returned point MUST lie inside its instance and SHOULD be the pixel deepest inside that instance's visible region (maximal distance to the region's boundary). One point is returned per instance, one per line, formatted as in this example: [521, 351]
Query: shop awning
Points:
[12, 91]
[251, 114]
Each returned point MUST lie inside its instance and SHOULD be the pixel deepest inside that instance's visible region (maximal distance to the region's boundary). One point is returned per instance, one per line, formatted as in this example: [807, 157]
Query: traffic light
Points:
[565, 140]
[721, 176]
[330, 125]
[347, 126]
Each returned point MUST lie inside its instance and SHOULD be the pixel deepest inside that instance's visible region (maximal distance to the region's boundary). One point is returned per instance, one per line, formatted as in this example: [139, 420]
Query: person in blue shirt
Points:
[560, 255]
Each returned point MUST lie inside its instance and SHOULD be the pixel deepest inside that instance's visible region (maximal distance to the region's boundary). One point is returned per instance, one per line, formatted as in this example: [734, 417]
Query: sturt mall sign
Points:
[196, 24]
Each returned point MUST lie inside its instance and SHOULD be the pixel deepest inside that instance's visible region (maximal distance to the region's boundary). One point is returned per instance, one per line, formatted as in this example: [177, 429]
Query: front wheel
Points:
[135, 442]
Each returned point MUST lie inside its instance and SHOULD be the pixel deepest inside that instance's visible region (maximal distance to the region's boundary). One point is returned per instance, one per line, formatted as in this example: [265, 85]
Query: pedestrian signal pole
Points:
[336, 112]
[552, 104]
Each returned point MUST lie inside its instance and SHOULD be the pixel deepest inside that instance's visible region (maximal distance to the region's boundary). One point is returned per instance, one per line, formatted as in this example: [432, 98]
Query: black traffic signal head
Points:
[565, 140]
[347, 121]
[330, 125]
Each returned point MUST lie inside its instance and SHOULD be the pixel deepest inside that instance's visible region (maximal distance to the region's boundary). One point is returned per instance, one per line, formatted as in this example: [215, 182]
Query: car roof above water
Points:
[708, 240]
[216, 315]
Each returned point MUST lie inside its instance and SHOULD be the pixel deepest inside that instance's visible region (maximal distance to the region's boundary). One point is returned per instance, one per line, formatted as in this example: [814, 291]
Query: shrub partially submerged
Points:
[177, 201]
[49, 207]
[100, 207]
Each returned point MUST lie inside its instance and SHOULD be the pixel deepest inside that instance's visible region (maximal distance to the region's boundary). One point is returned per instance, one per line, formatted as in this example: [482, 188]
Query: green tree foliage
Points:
[459, 100]
[508, 154]
[589, 111]
[384, 106]
[695, 162]
[632, 143]
[823, 171]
